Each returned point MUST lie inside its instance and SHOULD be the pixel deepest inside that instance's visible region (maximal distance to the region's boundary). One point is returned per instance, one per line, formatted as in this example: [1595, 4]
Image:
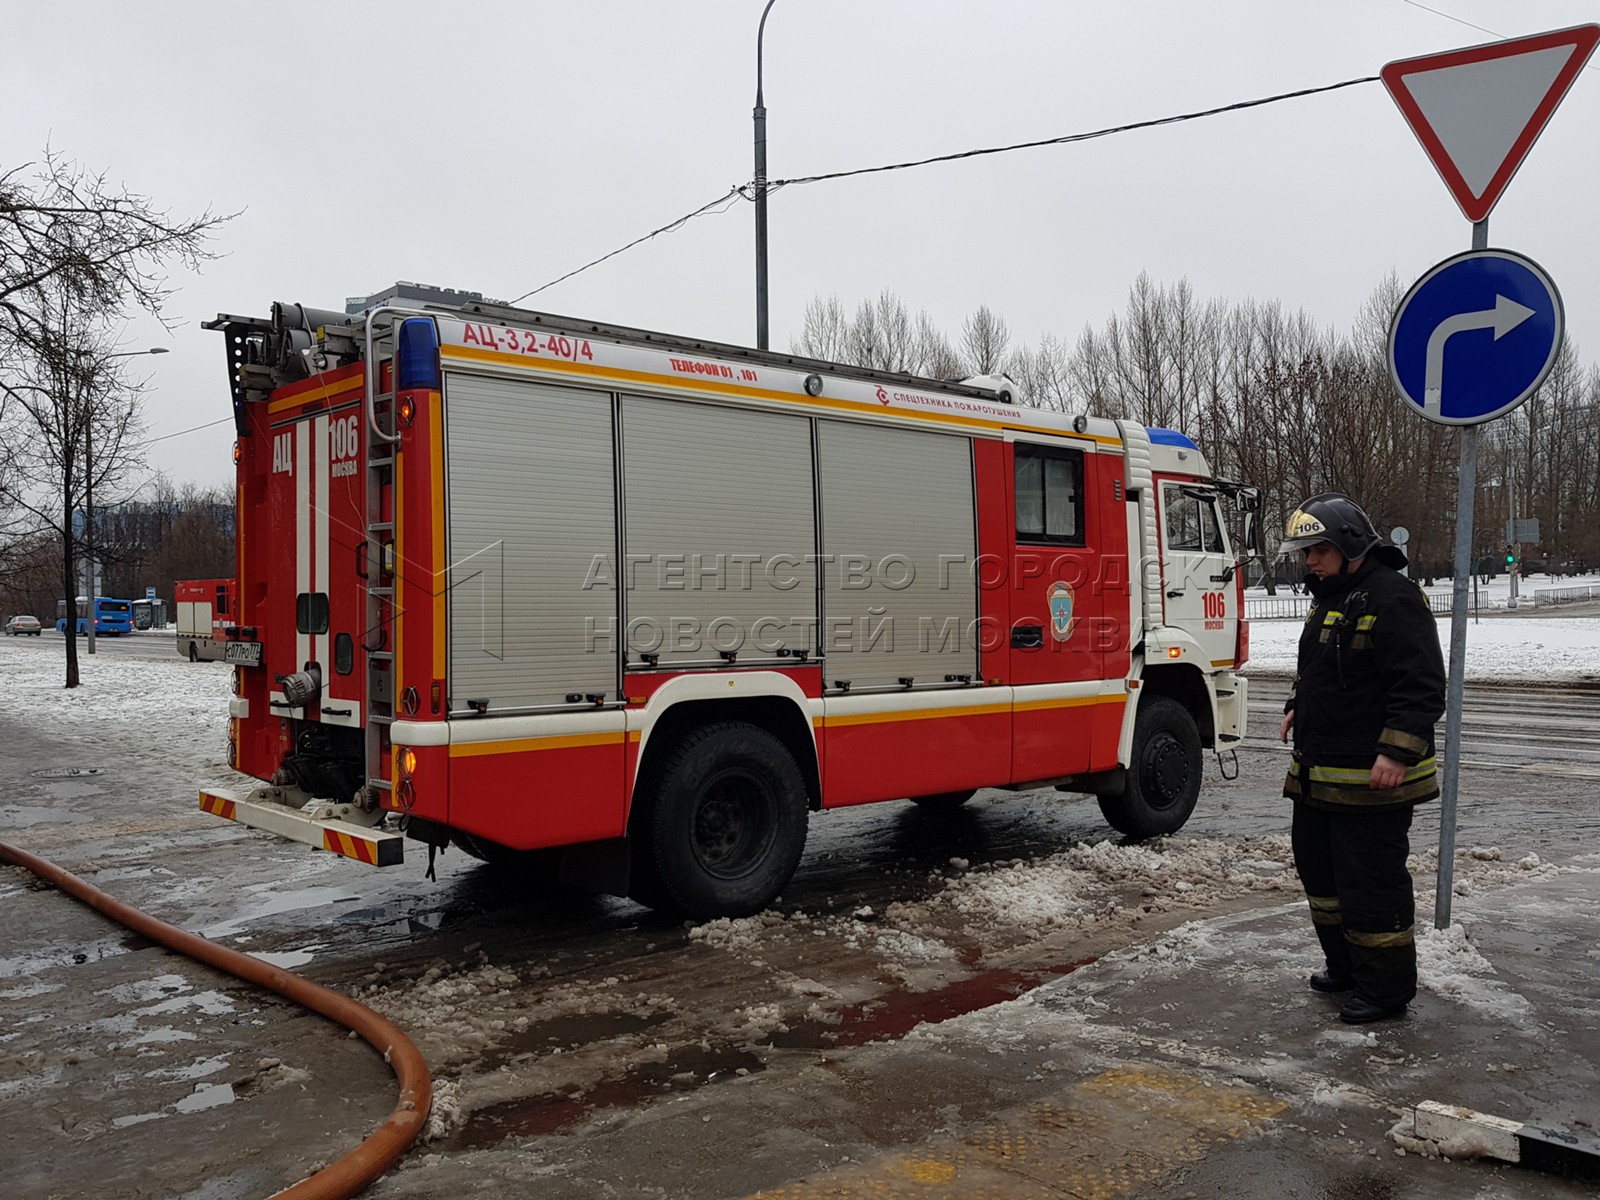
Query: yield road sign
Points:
[1478, 111]
[1475, 336]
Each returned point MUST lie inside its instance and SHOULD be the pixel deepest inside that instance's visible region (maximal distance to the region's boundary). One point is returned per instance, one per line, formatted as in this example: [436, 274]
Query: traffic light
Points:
[1511, 556]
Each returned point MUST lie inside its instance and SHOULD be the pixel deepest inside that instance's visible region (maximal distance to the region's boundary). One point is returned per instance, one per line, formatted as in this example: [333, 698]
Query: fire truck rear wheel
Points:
[194, 653]
[725, 823]
[1164, 772]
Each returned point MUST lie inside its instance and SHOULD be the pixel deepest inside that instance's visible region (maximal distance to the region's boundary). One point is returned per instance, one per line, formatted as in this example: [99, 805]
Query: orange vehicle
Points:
[206, 611]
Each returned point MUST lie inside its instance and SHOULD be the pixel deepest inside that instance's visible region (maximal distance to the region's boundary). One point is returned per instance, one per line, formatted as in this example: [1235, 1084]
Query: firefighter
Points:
[1369, 685]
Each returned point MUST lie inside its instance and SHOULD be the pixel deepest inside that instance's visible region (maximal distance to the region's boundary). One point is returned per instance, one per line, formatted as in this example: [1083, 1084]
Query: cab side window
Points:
[1049, 495]
[1190, 521]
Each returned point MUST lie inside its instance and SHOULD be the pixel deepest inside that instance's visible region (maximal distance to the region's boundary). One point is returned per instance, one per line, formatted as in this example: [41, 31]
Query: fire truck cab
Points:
[631, 606]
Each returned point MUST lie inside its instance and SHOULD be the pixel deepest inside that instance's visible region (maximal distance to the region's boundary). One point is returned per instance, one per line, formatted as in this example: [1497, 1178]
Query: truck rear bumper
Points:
[375, 847]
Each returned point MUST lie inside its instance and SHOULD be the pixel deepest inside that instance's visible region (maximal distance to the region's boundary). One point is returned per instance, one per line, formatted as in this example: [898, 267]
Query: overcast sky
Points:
[496, 146]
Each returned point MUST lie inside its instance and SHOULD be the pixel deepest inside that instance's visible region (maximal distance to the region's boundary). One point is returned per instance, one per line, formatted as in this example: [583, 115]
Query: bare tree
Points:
[985, 341]
[75, 419]
[825, 330]
[103, 245]
[76, 254]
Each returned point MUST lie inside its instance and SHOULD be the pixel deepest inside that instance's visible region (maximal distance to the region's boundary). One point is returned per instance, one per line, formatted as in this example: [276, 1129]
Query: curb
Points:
[1455, 1132]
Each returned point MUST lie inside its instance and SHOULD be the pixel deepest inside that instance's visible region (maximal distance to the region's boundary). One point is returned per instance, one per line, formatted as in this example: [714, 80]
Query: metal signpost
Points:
[1477, 334]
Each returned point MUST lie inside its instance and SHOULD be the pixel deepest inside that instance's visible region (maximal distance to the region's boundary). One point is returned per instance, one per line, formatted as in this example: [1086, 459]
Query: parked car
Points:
[17, 626]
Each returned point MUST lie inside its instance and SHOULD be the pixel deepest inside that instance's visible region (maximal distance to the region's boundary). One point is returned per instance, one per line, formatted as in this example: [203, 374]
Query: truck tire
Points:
[1164, 771]
[724, 823]
[194, 653]
[944, 802]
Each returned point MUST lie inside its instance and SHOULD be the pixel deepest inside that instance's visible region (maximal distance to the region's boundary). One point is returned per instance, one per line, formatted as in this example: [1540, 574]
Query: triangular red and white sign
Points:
[1478, 111]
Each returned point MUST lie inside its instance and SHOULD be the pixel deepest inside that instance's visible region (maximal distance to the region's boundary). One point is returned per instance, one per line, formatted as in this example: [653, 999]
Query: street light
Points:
[760, 116]
[90, 567]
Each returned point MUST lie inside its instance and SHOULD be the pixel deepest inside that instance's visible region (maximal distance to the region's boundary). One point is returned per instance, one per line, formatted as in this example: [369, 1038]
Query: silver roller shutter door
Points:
[720, 531]
[530, 473]
[898, 523]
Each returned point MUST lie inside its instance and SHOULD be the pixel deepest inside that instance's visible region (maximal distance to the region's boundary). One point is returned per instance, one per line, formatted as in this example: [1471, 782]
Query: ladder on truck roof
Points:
[379, 563]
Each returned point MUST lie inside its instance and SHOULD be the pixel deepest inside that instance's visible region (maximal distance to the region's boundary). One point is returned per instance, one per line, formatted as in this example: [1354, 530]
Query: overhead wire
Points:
[1439, 12]
[725, 200]
[1090, 135]
[746, 191]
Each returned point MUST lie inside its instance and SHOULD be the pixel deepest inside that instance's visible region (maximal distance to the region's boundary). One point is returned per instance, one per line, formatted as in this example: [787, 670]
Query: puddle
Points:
[691, 1069]
[198, 1069]
[287, 960]
[204, 1096]
[892, 1016]
[65, 772]
[20, 817]
[161, 1037]
[59, 955]
[883, 1019]
[267, 901]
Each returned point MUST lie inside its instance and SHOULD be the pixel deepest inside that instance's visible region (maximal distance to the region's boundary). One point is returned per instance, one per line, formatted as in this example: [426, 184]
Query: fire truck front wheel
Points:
[724, 823]
[1164, 772]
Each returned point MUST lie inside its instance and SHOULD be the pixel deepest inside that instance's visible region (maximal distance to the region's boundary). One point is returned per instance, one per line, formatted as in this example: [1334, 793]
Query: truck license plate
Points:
[245, 654]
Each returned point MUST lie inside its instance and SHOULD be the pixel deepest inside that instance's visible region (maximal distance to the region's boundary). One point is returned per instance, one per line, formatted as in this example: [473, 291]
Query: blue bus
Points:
[111, 617]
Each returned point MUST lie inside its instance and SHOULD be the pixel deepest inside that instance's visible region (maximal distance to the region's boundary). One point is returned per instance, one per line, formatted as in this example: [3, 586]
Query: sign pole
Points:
[1466, 496]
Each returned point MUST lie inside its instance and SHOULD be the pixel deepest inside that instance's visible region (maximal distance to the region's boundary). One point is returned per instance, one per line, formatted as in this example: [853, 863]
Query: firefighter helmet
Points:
[1333, 518]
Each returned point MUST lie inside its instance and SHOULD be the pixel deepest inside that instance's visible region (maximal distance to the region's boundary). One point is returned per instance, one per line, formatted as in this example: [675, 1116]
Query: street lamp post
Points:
[91, 567]
[760, 116]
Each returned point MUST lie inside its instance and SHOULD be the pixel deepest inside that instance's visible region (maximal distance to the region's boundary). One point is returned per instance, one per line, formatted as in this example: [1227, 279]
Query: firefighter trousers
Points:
[1353, 868]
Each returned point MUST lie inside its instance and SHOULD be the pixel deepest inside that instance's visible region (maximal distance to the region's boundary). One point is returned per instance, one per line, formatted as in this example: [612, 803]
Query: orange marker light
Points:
[1174, 652]
[408, 411]
[408, 761]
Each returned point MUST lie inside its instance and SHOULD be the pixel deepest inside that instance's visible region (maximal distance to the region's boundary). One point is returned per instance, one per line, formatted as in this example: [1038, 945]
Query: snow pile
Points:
[1450, 965]
[446, 1114]
[1078, 888]
[1084, 888]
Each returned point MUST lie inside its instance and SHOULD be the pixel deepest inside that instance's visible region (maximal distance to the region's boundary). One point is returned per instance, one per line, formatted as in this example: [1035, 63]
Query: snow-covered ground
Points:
[1501, 646]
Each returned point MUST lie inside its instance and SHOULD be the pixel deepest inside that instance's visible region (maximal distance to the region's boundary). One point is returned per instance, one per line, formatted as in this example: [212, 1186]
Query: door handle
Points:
[1027, 637]
[1174, 595]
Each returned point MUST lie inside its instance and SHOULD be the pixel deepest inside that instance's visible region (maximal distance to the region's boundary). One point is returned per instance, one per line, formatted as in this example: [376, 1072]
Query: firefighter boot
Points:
[1384, 975]
[1336, 977]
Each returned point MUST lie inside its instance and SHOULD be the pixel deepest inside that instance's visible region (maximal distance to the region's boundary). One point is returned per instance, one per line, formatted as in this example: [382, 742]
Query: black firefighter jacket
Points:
[1370, 681]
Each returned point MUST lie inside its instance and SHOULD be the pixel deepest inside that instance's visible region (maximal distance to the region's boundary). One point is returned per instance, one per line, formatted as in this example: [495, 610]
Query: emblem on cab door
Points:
[1059, 599]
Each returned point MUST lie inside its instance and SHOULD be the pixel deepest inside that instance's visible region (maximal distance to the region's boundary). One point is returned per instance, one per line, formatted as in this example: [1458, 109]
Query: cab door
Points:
[1063, 493]
[1197, 588]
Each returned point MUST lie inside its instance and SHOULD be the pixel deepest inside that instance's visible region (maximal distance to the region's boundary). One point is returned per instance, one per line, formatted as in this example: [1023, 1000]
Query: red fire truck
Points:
[207, 608]
[632, 606]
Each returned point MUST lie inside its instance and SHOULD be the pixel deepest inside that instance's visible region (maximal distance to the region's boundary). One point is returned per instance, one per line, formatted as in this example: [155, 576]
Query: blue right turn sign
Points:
[1475, 336]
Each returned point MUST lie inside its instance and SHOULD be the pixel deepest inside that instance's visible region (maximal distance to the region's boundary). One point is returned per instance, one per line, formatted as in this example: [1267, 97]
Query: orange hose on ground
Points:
[383, 1147]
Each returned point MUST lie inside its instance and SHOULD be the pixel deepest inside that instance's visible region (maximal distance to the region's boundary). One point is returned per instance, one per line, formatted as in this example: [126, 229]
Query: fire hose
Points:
[350, 1174]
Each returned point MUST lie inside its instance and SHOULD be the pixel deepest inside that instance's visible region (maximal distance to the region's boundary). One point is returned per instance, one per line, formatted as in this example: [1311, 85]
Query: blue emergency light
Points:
[417, 355]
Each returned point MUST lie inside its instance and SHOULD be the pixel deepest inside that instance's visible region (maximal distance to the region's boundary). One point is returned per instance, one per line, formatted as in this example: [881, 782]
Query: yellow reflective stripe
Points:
[1365, 623]
[1401, 740]
[1347, 796]
[1332, 617]
[1325, 910]
[1363, 775]
[1401, 937]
